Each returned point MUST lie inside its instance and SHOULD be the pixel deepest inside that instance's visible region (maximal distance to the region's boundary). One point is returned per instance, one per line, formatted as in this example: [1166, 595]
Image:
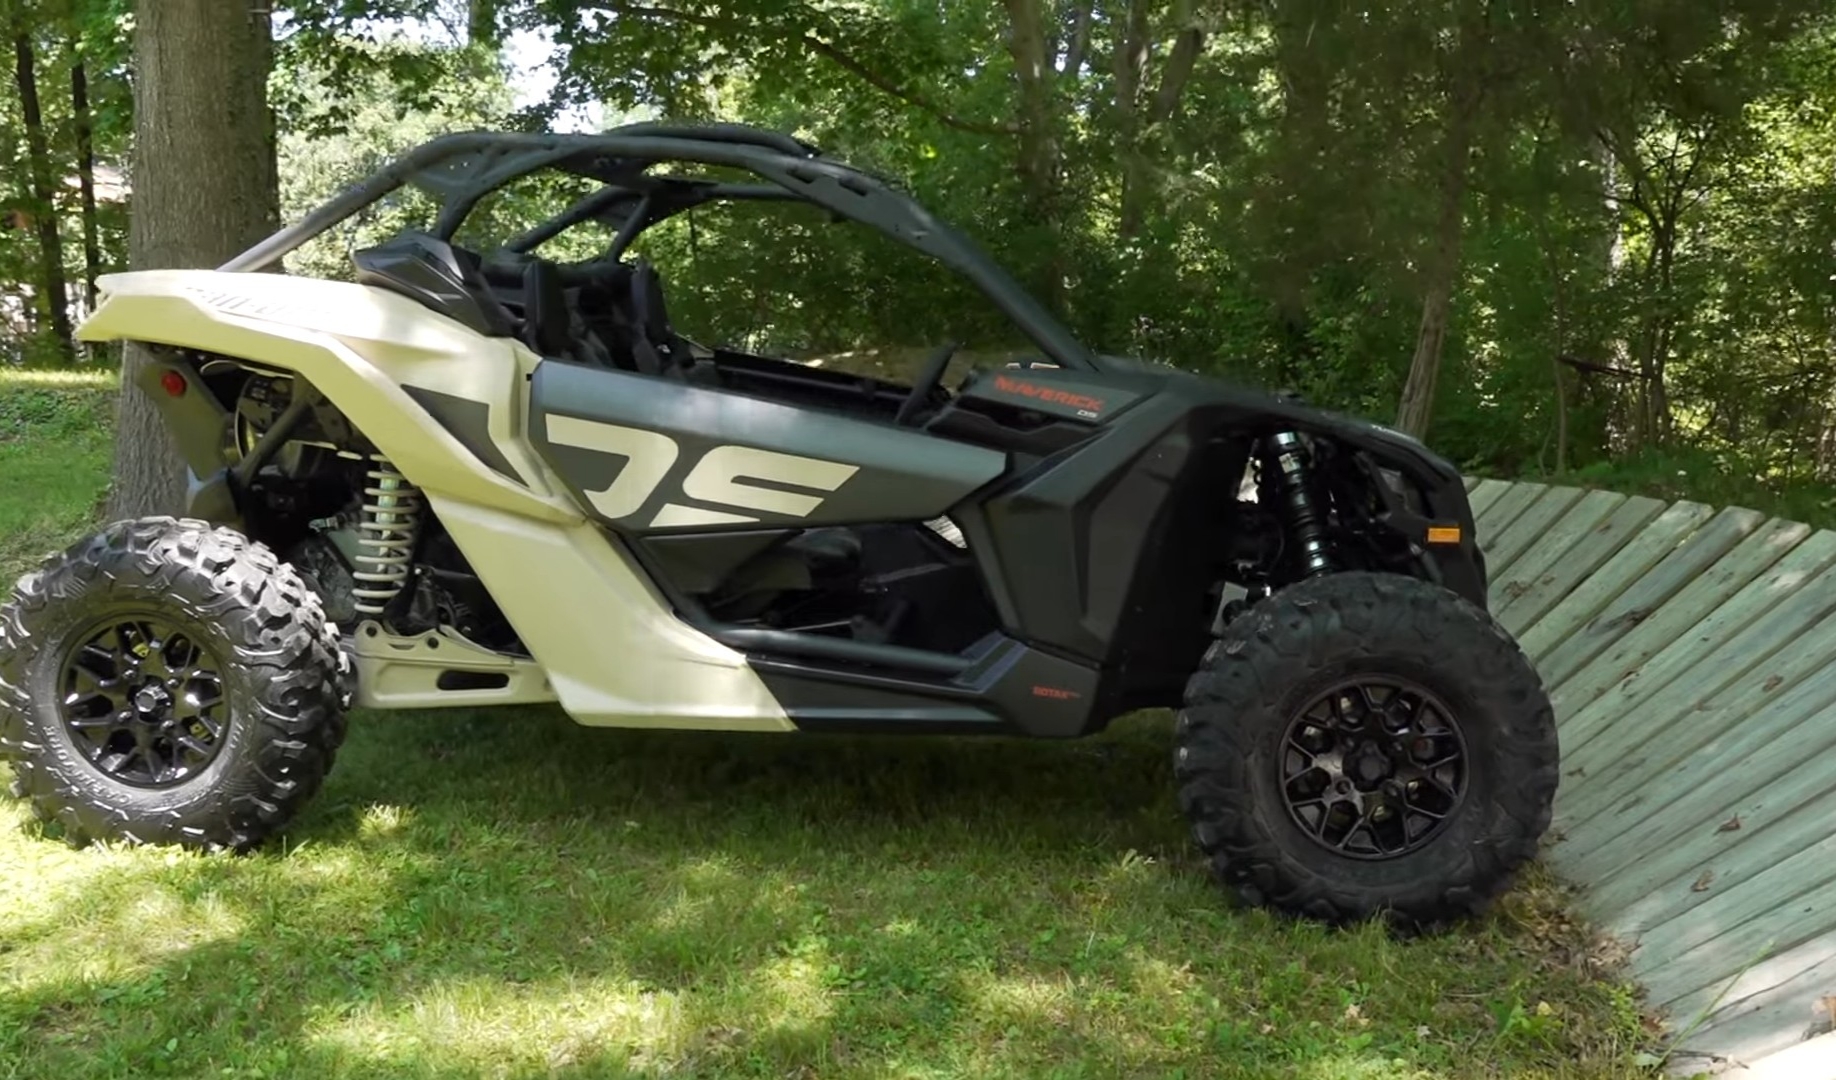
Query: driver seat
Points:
[657, 347]
[551, 325]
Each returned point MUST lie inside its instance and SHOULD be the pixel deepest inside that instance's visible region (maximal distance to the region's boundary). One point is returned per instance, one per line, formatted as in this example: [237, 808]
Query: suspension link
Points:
[1288, 468]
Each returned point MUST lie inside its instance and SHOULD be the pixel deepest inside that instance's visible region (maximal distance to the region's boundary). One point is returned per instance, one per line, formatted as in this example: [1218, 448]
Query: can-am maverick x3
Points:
[482, 477]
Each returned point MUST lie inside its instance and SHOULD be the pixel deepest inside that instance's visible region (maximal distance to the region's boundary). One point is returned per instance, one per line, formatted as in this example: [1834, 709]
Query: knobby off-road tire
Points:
[1261, 704]
[137, 610]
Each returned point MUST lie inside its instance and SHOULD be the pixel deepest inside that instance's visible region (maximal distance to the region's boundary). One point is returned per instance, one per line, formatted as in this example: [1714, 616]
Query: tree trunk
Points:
[204, 188]
[1028, 42]
[1654, 399]
[86, 177]
[1145, 116]
[1130, 68]
[1558, 293]
[1079, 46]
[1443, 268]
[53, 296]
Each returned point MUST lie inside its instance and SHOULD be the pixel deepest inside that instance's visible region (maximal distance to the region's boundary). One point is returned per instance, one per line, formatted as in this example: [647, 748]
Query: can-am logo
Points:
[1083, 403]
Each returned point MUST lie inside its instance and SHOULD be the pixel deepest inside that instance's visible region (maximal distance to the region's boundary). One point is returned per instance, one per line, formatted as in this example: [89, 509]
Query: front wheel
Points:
[1363, 744]
[168, 682]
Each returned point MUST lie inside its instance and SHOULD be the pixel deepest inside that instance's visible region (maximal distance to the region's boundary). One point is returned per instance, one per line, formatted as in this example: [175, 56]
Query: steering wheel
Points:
[926, 385]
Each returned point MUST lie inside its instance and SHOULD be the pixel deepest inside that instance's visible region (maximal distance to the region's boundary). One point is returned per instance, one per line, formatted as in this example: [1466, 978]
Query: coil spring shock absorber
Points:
[1288, 470]
[389, 521]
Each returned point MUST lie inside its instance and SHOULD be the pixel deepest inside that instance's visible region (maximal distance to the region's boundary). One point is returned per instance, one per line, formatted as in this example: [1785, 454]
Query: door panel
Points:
[650, 454]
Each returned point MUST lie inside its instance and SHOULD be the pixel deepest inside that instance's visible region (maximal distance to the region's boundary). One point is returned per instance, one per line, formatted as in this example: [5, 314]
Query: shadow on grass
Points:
[505, 894]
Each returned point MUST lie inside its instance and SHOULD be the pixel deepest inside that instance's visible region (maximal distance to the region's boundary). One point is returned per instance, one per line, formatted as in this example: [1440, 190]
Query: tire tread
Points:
[1262, 655]
[276, 632]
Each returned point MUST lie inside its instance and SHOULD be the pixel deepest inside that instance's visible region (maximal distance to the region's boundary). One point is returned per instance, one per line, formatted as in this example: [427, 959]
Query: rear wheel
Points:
[1362, 744]
[168, 682]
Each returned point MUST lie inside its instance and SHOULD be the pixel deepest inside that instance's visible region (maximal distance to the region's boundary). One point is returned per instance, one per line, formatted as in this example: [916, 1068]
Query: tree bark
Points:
[205, 188]
[1443, 267]
[1028, 43]
[86, 177]
[1187, 41]
[1558, 293]
[53, 296]
[1142, 121]
[1080, 38]
[1130, 69]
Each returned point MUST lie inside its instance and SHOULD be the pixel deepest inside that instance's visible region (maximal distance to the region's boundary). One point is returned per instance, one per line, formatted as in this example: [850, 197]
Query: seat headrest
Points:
[547, 324]
[647, 299]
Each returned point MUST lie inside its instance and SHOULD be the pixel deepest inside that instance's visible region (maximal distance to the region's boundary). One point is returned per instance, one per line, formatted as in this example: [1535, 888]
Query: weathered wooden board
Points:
[1760, 769]
[1627, 677]
[1696, 687]
[1691, 656]
[1529, 594]
[1484, 494]
[1632, 760]
[1531, 526]
[1594, 592]
[1752, 956]
[1498, 517]
[1641, 599]
[1770, 1008]
[1552, 546]
[1764, 908]
[1669, 883]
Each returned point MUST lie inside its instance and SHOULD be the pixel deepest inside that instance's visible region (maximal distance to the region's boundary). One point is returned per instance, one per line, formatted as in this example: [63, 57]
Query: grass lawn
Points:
[504, 894]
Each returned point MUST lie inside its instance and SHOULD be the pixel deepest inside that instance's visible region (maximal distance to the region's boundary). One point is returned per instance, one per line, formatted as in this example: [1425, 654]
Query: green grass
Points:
[505, 894]
[54, 457]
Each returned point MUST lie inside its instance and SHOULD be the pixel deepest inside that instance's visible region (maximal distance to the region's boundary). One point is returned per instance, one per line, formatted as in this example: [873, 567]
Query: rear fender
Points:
[445, 404]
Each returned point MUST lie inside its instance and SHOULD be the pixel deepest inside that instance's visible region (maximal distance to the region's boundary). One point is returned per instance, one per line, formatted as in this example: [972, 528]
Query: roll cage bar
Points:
[462, 169]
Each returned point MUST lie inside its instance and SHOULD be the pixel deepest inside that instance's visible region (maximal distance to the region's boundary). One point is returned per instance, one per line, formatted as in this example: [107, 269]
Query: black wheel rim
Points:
[1374, 768]
[142, 699]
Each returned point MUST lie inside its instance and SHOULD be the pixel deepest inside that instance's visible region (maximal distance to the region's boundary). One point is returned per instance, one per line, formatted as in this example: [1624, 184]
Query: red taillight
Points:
[174, 383]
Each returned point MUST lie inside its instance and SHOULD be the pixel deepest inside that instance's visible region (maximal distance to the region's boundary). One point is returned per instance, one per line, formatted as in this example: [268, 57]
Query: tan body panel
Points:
[359, 346]
[610, 649]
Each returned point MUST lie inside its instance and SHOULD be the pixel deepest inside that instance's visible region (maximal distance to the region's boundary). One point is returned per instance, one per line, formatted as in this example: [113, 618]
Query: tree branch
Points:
[1603, 369]
[910, 97]
[821, 48]
[1186, 44]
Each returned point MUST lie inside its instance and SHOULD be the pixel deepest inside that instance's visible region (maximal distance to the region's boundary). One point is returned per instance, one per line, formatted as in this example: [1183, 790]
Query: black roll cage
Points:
[462, 169]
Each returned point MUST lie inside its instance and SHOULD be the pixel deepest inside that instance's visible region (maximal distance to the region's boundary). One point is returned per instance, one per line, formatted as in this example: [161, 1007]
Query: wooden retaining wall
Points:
[1691, 656]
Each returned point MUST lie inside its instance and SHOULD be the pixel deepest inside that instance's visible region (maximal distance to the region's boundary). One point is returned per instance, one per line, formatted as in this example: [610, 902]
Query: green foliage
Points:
[60, 35]
[1649, 194]
[1716, 478]
[350, 116]
[1648, 190]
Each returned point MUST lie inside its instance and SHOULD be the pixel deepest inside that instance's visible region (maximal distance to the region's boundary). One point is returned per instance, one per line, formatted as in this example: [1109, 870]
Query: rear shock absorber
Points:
[389, 520]
[1288, 470]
